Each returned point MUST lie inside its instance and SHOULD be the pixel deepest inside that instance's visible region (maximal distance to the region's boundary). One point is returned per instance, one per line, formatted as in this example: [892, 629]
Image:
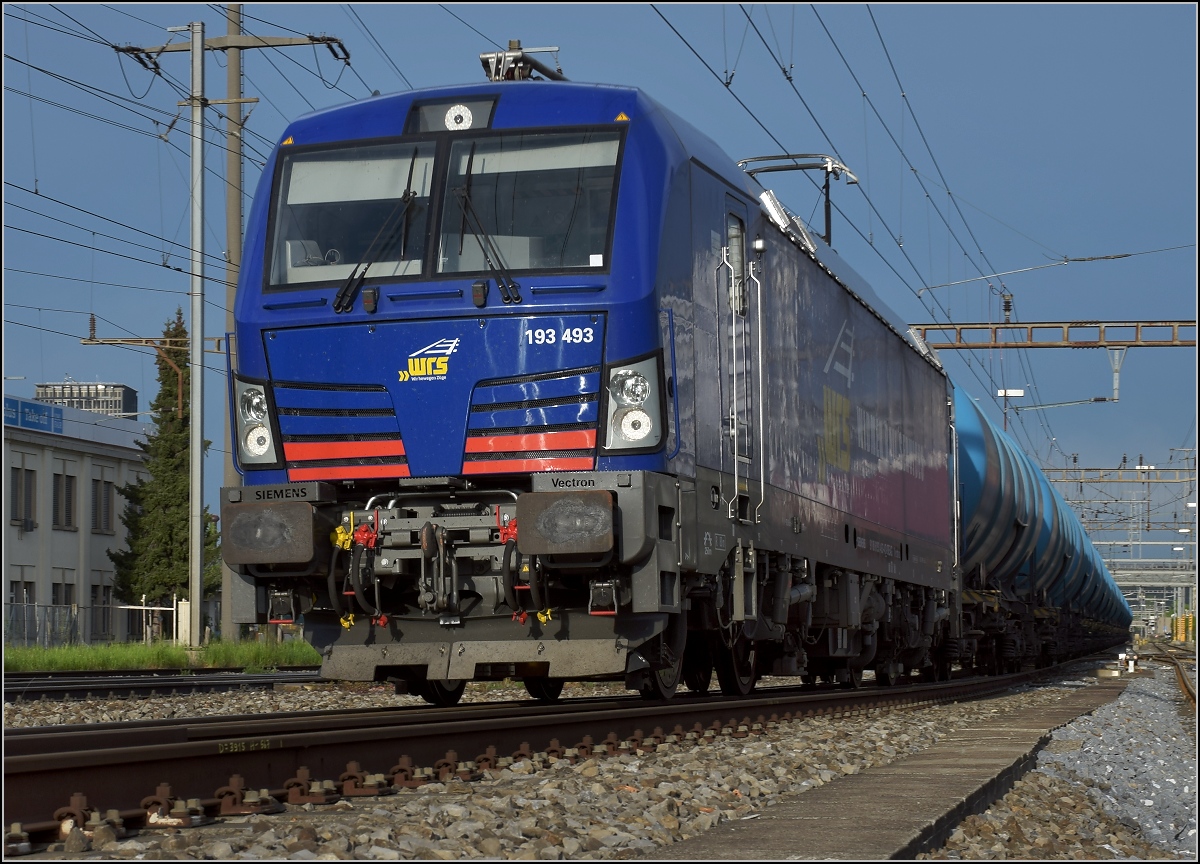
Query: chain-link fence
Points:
[32, 625]
[48, 625]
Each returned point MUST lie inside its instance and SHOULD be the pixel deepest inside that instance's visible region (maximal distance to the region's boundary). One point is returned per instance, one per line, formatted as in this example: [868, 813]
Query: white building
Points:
[119, 400]
[63, 512]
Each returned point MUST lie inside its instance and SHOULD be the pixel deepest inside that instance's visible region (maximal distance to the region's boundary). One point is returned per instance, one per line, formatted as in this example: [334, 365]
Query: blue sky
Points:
[1059, 131]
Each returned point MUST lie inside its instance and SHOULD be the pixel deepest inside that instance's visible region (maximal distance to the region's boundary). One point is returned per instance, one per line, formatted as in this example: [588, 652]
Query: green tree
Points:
[155, 562]
[212, 553]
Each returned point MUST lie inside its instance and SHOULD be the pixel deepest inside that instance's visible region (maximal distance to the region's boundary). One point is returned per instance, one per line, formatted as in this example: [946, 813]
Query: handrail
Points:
[674, 377]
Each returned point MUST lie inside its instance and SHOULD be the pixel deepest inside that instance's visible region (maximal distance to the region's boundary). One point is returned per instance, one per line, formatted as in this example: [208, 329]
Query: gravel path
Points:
[1072, 807]
[1120, 782]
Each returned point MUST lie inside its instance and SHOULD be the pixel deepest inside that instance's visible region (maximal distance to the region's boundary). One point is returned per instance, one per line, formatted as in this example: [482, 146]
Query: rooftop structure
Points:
[117, 400]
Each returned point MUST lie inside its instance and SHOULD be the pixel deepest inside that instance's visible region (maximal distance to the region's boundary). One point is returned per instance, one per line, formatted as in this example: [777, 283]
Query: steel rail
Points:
[134, 673]
[117, 766]
[99, 686]
[1186, 684]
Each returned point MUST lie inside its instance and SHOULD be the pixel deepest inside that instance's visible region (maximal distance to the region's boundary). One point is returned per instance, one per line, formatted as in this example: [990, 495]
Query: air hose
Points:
[334, 600]
[535, 584]
[356, 581]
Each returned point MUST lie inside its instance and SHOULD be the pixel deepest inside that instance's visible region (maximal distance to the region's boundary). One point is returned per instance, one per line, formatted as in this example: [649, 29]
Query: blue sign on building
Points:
[25, 414]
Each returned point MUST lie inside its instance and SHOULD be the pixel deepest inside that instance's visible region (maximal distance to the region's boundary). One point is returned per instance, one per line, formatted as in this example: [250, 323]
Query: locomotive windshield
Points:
[533, 200]
[540, 201]
[338, 208]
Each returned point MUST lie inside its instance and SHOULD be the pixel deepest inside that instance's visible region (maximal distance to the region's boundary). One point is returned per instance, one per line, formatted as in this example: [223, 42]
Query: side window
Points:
[735, 238]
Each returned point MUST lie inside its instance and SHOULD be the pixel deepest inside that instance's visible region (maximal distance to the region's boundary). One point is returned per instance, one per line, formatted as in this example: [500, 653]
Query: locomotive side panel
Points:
[676, 318]
[852, 420]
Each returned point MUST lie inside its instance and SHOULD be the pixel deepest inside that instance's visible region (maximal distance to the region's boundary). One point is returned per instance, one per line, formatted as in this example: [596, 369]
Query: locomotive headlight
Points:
[258, 441]
[629, 387]
[634, 423]
[255, 439]
[253, 404]
[635, 405]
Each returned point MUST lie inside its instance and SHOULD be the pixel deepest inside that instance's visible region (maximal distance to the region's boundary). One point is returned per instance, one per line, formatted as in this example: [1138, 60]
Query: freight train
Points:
[533, 382]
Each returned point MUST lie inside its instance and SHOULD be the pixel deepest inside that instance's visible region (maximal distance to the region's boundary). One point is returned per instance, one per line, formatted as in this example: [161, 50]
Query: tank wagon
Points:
[532, 381]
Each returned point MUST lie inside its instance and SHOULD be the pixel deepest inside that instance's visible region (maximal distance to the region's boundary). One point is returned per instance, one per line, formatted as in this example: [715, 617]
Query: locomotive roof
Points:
[520, 104]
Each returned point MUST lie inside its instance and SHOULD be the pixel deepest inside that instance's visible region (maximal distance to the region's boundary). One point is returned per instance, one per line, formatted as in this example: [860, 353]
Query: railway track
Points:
[188, 771]
[29, 686]
[1179, 660]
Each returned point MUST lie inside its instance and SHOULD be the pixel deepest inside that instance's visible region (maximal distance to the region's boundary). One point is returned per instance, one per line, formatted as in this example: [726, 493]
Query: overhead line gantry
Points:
[1059, 334]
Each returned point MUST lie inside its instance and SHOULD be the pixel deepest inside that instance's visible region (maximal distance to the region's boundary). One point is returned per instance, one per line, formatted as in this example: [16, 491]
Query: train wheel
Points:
[444, 694]
[853, 678]
[662, 683]
[937, 670]
[887, 674]
[544, 689]
[987, 664]
[697, 663]
[736, 672]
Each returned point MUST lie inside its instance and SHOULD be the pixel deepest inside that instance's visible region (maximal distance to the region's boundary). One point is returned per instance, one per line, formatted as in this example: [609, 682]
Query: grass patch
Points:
[253, 656]
[260, 656]
[75, 658]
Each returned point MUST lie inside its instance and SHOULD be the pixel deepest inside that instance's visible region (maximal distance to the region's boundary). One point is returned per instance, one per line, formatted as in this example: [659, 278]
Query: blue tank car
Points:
[1022, 541]
[530, 380]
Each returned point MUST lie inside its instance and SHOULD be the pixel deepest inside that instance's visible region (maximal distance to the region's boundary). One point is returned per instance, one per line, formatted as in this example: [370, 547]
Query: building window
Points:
[20, 591]
[21, 618]
[103, 495]
[23, 503]
[101, 606]
[63, 593]
[64, 501]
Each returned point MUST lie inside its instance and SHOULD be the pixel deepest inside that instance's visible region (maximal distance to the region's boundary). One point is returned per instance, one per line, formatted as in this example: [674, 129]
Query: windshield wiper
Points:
[510, 291]
[344, 301]
[410, 195]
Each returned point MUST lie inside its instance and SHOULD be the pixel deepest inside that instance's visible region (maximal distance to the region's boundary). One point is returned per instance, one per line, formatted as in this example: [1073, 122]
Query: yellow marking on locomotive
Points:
[428, 367]
[833, 448]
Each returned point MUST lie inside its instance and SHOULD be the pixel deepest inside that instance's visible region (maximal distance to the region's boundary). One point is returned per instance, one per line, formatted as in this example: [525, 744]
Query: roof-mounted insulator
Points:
[515, 64]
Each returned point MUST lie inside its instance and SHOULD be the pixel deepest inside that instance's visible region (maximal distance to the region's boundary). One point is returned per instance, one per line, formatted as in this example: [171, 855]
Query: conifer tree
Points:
[156, 561]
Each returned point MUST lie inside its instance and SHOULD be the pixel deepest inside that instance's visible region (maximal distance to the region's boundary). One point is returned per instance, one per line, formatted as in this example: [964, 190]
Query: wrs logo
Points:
[431, 363]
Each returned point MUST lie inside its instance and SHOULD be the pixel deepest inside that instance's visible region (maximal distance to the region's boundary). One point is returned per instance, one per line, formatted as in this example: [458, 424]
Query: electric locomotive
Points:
[533, 382]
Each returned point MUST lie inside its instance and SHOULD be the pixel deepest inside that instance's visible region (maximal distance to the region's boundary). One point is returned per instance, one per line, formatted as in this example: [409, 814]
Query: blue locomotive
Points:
[532, 381]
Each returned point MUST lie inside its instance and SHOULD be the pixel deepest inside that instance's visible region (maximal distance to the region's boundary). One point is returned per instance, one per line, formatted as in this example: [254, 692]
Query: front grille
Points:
[336, 412]
[339, 432]
[534, 423]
